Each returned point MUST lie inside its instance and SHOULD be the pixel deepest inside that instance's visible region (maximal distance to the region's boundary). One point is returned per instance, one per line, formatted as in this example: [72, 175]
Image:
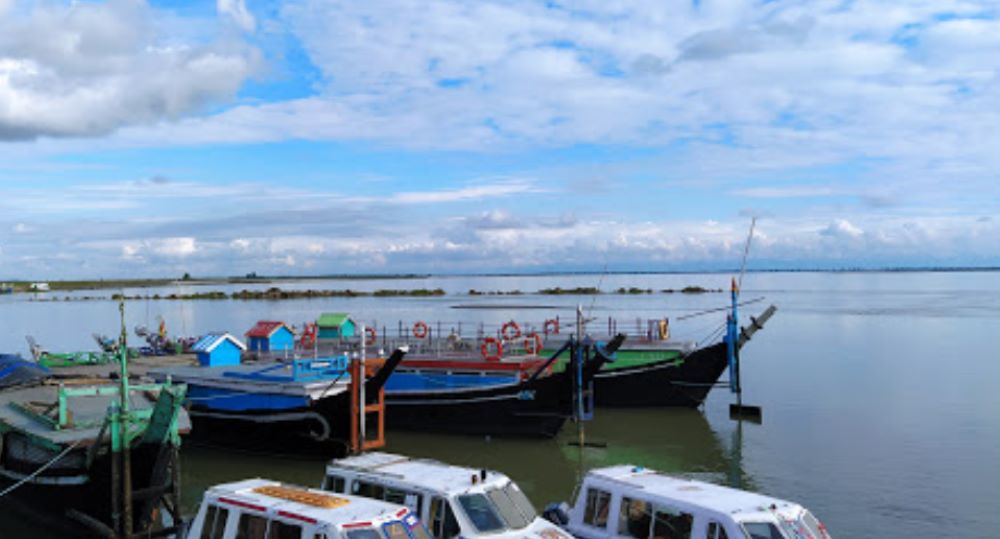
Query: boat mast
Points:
[121, 454]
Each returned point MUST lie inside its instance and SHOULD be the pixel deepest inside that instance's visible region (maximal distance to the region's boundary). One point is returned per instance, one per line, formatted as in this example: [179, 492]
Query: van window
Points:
[334, 483]
[634, 518]
[716, 531]
[672, 524]
[762, 530]
[596, 512]
[214, 525]
[251, 527]
[282, 530]
[442, 519]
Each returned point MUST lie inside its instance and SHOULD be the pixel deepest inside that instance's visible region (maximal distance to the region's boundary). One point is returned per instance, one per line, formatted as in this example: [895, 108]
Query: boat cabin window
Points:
[251, 527]
[804, 526]
[363, 533]
[762, 530]
[442, 519]
[716, 531]
[214, 525]
[669, 523]
[379, 492]
[417, 529]
[513, 505]
[480, 511]
[334, 483]
[395, 530]
[635, 518]
[369, 490]
[596, 512]
[283, 530]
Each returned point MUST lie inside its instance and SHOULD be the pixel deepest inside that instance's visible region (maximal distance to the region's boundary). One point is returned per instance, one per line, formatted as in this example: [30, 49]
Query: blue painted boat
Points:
[15, 370]
[298, 406]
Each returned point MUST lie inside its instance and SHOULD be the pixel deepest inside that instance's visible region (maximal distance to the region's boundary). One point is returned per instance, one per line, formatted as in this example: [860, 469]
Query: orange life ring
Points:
[484, 349]
[551, 326]
[533, 343]
[420, 329]
[510, 336]
[370, 335]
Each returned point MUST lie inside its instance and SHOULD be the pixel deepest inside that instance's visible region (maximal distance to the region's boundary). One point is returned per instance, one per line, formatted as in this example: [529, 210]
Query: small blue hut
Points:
[271, 336]
[335, 326]
[218, 350]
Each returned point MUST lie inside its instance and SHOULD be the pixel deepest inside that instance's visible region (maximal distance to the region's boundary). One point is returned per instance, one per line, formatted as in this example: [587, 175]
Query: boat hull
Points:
[669, 382]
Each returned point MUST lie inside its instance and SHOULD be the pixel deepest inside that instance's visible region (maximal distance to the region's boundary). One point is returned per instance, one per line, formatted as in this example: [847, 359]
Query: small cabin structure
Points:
[259, 508]
[271, 336]
[218, 350]
[335, 326]
[454, 500]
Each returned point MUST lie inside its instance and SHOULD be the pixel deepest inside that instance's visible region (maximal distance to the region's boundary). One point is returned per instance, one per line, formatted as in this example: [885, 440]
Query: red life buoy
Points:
[533, 343]
[370, 335]
[485, 349]
[308, 339]
[510, 335]
[551, 326]
[420, 330]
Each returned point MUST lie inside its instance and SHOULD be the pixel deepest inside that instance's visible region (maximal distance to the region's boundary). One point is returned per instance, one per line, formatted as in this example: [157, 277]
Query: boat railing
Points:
[297, 370]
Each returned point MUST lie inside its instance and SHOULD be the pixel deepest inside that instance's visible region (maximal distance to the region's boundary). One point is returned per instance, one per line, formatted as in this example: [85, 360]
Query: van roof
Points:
[303, 504]
[698, 493]
[425, 473]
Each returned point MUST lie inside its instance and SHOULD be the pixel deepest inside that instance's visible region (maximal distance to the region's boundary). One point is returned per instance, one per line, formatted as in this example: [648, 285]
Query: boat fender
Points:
[510, 330]
[370, 335]
[488, 344]
[664, 329]
[420, 329]
[551, 327]
[533, 343]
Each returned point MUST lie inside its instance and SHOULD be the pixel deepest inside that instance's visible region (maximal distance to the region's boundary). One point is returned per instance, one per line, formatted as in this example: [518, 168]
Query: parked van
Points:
[263, 509]
[453, 500]
[630, 502]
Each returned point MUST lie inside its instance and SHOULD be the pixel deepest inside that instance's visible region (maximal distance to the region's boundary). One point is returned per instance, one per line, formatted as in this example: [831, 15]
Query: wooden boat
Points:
[62, 450]
[632, 501]
[463, 397]
[259, 508]
[302, 406]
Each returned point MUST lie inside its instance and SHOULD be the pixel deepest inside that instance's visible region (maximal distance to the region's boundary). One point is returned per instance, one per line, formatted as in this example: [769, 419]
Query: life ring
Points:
[532, 343]
[510, 335]
[551, 326]
[308, 339]
[484, 349]
[370, 336]
[420, 329]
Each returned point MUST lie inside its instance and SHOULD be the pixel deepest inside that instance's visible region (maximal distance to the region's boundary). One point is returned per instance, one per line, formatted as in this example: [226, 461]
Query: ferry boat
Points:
[264, 509]
[301, 406]
[633, 502]
[460, 397]
[454, 500]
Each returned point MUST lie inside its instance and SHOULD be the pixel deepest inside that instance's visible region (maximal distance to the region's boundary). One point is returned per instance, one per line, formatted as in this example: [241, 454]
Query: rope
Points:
[44, 467]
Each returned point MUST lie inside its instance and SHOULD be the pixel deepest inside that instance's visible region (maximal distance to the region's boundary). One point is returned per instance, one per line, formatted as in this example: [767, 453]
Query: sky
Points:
[298, 137]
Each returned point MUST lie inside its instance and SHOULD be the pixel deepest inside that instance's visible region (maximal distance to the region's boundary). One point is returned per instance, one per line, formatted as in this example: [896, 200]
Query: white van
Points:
[453, 500]
[262, 509]
[630, 502]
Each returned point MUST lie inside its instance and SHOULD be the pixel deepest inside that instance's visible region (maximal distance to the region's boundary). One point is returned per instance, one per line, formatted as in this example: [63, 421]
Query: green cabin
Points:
[335, 326]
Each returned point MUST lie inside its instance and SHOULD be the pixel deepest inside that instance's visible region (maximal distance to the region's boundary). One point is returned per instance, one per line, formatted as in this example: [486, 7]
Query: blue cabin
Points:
[271, 336]
[218, 350]
[335, 326]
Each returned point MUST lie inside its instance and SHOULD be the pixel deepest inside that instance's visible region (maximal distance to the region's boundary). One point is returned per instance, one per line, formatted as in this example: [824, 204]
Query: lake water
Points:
[880, 390]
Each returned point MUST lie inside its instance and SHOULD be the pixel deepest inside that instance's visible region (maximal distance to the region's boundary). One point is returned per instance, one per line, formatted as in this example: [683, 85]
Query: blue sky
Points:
[304, 136]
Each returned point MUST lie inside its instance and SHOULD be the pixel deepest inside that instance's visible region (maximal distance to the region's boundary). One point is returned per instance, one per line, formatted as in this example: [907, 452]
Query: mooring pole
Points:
[578, 355]
[126, 460]
[363, 403]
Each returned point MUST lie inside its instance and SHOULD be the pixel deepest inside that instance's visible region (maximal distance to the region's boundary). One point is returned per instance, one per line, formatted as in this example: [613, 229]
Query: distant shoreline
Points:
[19, 285]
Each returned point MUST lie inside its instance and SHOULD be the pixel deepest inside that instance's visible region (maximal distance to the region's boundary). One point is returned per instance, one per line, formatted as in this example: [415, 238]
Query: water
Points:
[878, 389]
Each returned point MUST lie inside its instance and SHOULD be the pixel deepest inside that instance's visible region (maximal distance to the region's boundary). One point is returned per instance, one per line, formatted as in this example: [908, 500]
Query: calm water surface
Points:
[879, 390]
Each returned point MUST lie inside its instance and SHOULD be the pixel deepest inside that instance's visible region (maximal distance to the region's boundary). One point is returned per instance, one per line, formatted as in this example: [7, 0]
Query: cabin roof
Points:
[424, 473]
[344, 509]
[212, 340]
[332, 320]
[699, 493]
[266, 328]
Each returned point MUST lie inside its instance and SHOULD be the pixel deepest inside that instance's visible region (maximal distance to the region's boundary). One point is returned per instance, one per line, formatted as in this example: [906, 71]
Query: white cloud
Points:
[86, 69]
[237, 10]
